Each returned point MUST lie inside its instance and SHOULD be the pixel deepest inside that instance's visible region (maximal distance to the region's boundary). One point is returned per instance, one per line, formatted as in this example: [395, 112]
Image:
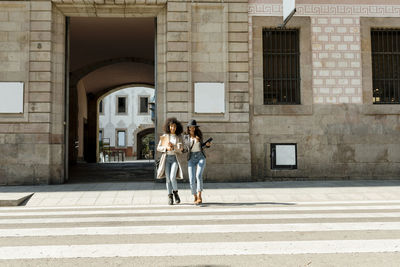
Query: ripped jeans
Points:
[196, 166]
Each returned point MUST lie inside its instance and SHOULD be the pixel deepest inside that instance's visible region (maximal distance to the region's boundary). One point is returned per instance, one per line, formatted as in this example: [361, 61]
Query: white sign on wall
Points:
[209, 98]
[285, 155]
[11, 97]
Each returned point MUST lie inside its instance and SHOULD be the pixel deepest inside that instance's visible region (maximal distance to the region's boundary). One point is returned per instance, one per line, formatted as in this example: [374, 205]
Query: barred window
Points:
[385, 46]
[281, 66]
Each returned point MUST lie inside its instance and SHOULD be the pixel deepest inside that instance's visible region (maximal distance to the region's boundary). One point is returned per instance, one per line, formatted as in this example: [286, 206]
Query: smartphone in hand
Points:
[208, 140]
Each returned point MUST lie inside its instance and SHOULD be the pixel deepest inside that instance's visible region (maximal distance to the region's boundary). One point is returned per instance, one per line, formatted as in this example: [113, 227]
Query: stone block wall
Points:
[196, 42]
[32, 47]
[344, 136]
[207, 42]
[57, 139]
[339, 133]
[23, 137]
[336, 49]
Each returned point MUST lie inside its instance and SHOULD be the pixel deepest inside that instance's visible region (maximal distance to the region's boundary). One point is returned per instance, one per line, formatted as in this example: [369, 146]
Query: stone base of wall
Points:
[335, 142]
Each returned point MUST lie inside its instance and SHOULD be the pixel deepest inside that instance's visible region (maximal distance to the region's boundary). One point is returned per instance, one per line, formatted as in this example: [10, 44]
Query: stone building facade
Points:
[338, 130]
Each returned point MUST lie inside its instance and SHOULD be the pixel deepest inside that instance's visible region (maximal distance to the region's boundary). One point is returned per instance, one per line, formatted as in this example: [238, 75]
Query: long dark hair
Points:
[173, 120]
[197, 132]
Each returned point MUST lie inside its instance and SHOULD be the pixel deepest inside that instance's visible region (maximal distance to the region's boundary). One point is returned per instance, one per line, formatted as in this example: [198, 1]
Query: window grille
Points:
[385, 46]
[281, 66]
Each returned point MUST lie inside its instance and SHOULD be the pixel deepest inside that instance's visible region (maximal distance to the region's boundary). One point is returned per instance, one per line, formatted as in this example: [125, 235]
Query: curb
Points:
[13, 199]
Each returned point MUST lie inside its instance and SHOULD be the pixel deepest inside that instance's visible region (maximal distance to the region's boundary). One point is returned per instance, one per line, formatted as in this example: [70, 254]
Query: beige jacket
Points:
[161, 166]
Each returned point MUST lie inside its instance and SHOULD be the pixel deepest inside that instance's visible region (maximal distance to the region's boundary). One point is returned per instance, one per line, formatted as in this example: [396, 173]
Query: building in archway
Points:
[318, 99]
[123, 116]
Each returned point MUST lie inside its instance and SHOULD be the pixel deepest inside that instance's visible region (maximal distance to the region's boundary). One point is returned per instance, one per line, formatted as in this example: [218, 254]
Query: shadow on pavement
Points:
[111, 172]
[210, 204]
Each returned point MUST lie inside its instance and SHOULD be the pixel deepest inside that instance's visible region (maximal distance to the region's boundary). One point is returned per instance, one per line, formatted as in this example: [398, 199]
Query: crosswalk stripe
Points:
[203, 249]
[202, 217]
[197, 229]
[201, 210]
[233, 229]
[183, 205]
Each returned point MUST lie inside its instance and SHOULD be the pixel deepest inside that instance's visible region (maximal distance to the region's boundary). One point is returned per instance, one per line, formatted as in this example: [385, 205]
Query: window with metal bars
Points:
[385, 46]
[281, 66]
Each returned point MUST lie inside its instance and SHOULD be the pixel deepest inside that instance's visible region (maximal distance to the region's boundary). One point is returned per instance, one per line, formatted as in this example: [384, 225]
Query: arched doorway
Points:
[146, 144]
[103, 60]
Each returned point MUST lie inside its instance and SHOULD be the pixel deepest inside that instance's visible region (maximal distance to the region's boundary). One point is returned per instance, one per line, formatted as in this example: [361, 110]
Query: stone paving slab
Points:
[154, 193]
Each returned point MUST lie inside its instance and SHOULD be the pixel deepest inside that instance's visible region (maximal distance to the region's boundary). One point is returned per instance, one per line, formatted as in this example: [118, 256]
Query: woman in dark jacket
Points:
[196, 159]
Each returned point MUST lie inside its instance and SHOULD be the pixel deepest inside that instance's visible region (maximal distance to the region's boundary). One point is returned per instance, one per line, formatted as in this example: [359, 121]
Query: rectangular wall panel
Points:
[11, 97]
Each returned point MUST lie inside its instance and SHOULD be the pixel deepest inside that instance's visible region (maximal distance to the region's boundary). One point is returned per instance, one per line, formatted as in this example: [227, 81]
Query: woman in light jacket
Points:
[170, 145]
[196, 159]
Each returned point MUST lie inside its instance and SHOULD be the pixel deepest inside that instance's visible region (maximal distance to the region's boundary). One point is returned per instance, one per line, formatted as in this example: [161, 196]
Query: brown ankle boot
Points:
[195, 198]
[199, 200]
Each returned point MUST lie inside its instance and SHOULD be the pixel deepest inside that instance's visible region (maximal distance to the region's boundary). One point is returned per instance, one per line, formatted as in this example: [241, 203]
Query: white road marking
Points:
[203, 249]
[198, 210]
[197, 229]
[201, 217]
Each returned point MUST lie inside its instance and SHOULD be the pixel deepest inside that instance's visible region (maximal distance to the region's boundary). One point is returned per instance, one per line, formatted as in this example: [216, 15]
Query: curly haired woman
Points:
[170, 145]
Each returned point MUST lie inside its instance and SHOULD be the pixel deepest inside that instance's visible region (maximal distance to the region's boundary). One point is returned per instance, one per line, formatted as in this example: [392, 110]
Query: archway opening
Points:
[109, 58]
[146, 144]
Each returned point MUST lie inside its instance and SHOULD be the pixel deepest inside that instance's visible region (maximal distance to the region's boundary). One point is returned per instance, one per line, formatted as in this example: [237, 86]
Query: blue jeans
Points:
[171, 167]
[196, 165]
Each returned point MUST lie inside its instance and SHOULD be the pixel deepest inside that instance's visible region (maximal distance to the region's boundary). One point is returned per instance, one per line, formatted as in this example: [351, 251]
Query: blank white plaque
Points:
[285, 154]
[11, 97]
[209, 98]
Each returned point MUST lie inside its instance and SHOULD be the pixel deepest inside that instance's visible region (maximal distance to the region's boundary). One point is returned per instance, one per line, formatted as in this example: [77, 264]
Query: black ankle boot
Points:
[170, 199]
[177, 199]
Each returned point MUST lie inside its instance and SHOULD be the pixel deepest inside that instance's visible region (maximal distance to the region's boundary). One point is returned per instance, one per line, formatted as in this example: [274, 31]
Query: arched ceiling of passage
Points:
[118, 74]
[94, 40]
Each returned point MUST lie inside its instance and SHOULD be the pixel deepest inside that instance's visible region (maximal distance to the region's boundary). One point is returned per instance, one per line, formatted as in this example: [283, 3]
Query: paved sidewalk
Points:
[151, 193]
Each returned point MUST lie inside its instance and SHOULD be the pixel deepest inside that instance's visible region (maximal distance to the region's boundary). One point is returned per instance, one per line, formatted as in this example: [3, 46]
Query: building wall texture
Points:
[344, 136]
[338, 131]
